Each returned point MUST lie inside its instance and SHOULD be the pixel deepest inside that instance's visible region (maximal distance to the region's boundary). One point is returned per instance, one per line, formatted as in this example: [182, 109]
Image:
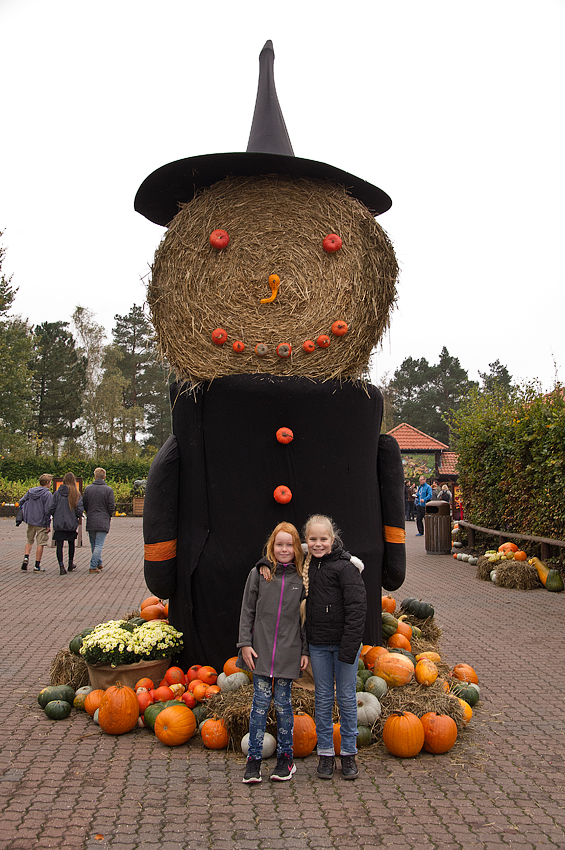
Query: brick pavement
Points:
[65, 783]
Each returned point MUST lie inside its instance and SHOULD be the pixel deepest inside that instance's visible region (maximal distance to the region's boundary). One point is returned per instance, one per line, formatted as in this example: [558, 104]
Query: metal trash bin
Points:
[437, 527]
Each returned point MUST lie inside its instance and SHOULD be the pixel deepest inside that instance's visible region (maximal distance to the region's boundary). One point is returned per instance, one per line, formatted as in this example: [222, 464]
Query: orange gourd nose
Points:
[274, 283]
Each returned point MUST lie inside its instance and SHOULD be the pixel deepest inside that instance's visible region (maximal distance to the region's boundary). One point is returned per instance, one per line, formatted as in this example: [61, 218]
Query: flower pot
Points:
[104, 676]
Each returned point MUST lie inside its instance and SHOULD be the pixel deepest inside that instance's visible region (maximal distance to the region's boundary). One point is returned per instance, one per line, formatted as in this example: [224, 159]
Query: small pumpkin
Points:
[57, 709]
[118, 710]
[372, 654]
[175, 676]
[433, 656]
[404, 628]
[467, 710]
[364, 736]
[75, 644]
[554, 581]
[403, 734]
[55, 692]
[92, 701]
[399, 642]
[418, 608]
[368, 708]
[151, 600]
[175, 725]
[508, 547]
[282, 494]
[214, 734]
[145, 682]
[337, 737]
[304, 735]
[520, 555]
[389, 625]
[208, 675]
[426, 672]
[153, 612]
[376, 686]
[440, 732]
[467, 691]
[269, 745]
[388, 604]
[465, 673]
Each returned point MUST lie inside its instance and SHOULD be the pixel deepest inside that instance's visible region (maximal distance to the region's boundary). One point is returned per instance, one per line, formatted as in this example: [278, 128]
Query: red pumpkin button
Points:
[282, 495]
[339, 328]
[261, 349]
[219, 239]
[284, 350]
[308, 346]
[238, 346]
[332, 243]
[323, 341]
[219, 336]
[285, 435]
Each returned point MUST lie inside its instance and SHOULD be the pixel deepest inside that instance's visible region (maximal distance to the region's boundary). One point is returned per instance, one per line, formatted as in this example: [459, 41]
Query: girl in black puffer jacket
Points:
[336, 608]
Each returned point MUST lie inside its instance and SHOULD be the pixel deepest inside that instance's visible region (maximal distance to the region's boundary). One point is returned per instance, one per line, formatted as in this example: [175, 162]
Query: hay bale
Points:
[276, 225]
[69, 669]
[517, 574]
[431, 632]
[484, 567]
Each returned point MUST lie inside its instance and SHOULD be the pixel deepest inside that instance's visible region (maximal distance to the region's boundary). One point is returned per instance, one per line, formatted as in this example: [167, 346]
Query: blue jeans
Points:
[326, 667]
[97, 539]
[265, 688]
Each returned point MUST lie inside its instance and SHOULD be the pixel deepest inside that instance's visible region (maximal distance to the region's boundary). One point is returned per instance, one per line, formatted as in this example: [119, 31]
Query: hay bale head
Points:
[276, 225]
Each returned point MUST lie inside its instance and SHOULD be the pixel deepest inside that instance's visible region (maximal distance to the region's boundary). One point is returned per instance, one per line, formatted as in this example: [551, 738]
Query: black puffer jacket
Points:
[336, 606]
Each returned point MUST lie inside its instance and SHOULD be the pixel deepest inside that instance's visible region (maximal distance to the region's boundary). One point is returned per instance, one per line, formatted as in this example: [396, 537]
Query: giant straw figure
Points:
[269, 325]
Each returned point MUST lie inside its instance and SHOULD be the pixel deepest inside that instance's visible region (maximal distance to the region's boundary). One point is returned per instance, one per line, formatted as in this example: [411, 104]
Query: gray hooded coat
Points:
[270, 622]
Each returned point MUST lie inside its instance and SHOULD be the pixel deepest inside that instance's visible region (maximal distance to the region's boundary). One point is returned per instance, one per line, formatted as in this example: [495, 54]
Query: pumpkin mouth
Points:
[283, 349]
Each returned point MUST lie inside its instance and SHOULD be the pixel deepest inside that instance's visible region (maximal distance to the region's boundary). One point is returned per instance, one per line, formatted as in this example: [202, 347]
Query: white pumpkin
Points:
[233, 682]
[220, 680]
[493, 576]
[368, 709]
[95, 717]
[269, 745]
[86, 689]
[376, 686]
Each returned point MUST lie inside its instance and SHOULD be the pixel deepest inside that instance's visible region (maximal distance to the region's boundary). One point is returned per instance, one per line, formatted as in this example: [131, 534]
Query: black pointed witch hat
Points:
[269, 151]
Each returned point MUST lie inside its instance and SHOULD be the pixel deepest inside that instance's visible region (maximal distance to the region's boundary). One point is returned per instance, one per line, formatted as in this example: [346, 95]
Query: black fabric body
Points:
[229, 464]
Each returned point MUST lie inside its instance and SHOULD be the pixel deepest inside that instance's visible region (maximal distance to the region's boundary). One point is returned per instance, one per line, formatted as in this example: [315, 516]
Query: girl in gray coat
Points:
[273, 646]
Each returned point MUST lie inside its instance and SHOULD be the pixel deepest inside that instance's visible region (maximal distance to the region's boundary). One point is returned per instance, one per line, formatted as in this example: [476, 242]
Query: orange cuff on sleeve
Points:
[394, 535]
[161, 551]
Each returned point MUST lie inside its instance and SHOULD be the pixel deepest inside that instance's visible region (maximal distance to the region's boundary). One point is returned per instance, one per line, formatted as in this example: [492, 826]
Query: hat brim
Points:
[160, 194]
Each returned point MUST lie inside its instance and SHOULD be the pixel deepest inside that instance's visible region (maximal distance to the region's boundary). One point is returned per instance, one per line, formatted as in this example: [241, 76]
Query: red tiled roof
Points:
[448, 463]
[410, 439]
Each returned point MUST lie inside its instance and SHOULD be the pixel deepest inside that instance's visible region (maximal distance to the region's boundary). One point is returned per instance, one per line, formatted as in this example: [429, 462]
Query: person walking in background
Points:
[35, 512]
[411, 492]
[423, 496]
[99, 506]
[66, 509]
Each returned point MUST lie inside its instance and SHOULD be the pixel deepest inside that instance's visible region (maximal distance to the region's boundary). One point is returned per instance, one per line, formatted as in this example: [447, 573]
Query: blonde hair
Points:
[74, 494]
[315, 519]
[289, 528]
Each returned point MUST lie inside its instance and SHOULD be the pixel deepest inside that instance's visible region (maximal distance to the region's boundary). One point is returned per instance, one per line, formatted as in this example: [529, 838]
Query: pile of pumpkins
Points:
[551, 579]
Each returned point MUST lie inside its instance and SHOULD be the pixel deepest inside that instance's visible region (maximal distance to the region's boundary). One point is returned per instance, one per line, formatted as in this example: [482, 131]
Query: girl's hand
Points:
[304, 659]
[265, 572]
[248, 654]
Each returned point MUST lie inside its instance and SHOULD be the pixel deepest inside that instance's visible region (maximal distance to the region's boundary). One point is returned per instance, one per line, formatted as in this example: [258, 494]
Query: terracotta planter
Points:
[104, 676]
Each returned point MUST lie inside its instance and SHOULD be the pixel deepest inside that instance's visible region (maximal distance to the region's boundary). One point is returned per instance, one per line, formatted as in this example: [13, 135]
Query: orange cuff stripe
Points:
[394, 535]
[160, 551]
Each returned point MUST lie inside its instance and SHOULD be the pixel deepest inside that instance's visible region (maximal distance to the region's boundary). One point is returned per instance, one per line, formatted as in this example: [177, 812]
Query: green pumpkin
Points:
[364, 736]
[87, 631]
[57, 709]
[137, 621]
[75, 644]
[416, 632]
[151, 712]
[55, 692]
[364, 675]
[360, 684]
[417, 608]
[127, 627]
[404, 652]
[554, 581]
[389, 625]
[376, 686]
[467, 691]
[200, 711]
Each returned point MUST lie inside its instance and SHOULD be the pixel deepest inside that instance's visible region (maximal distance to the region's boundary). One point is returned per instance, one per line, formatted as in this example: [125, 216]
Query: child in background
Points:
[336, 607]
[66, 510]
[273, 646]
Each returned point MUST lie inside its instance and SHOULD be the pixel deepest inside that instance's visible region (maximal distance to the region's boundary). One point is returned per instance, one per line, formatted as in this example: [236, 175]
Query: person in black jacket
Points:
[66, 509]
[336, 607]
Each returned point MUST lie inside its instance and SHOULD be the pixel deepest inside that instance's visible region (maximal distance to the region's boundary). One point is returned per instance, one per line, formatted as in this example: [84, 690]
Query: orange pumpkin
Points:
[119, 710]
[199, 690]
[398, 641]
[467, 710]
[465, 673]
[153, 612]
[520, 555]
[508, 547]
[440, 732]
[192, 673]
[426, 672]
[304, 735]
[403, 734]
[405, 629]
[388, 604]
[144, 699]
[207, 675]
[372, 654]
[394, 668]
[214, 734]
[231, 666]
[151, 600]
[364, 650]
[175, 725]
[92, 701]
[337, 737]
[163, 693]
[144, 683]
[211, 690]
[174, 676]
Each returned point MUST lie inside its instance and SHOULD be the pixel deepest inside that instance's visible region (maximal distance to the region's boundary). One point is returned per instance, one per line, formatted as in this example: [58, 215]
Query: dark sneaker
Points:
[252, 771]
[62, 570]
[284, 769]
[349, 769]
[325, 767]
[24, 565]
[72, 567]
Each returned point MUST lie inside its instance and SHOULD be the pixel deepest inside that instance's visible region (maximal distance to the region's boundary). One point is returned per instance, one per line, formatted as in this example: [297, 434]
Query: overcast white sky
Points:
[455, 109]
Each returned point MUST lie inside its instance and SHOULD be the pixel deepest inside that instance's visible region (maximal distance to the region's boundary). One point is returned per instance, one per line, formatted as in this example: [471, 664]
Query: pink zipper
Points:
[278, 621]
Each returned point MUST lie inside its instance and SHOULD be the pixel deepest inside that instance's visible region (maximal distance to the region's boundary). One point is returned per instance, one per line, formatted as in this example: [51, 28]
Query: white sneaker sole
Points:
[275, 778]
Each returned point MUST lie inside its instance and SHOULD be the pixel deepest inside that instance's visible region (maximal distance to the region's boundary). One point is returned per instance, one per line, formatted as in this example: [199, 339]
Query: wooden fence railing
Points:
[545, 542]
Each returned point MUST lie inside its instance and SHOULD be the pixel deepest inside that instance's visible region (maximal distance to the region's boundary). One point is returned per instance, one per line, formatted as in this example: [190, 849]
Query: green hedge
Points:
[32, 467]
[512, 461]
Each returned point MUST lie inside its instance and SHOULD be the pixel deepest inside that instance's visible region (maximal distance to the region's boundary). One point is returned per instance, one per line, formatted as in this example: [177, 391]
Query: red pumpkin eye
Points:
[219, 239]
[332, 243]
